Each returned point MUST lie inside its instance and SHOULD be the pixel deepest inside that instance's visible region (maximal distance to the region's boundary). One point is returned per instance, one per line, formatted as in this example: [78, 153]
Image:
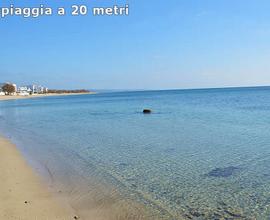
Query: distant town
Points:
[13, 89]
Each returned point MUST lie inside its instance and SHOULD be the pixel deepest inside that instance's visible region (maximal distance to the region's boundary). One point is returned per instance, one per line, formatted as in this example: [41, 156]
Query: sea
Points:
[200, 154]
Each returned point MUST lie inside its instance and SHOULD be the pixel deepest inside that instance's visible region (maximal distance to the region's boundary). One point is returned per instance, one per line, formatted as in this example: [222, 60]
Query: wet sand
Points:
[22, 195]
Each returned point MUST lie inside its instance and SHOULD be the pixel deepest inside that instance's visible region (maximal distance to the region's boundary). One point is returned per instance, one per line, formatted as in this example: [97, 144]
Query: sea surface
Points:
[201, 154]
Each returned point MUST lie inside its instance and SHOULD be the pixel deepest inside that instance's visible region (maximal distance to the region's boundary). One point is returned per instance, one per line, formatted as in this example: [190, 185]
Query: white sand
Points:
[22, 195]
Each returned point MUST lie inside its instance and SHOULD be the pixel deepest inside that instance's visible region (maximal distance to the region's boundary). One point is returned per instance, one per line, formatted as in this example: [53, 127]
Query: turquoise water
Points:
[202, 154]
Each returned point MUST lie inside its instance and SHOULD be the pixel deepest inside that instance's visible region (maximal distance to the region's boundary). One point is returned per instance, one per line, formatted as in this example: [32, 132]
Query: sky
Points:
[172, 44]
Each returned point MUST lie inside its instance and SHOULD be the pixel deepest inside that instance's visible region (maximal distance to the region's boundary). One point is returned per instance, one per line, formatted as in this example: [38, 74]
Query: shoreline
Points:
[86, 198]
[23, 195]
[15, 97]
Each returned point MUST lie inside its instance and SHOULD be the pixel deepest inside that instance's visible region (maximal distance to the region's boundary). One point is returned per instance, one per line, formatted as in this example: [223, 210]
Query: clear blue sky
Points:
[160, 45]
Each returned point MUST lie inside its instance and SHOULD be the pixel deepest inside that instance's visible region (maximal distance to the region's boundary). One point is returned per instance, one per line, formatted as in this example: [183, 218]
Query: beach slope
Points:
[22, 194]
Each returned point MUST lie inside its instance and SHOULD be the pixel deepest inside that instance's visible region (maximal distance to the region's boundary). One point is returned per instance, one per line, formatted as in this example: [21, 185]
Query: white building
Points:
[15, 86]
[40, 89]
[24, 90]
[23, 93]
[35, 89]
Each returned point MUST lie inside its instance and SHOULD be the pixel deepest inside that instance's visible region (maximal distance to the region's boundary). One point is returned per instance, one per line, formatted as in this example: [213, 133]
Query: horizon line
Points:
[172, 89]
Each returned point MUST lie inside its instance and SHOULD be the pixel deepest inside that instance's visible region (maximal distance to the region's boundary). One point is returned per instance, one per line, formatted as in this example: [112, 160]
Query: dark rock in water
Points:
[147, 111]
[222, 172]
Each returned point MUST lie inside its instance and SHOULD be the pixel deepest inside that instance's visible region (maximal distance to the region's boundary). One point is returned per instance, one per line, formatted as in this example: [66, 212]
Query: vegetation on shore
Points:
[56, 91]
[8, 89]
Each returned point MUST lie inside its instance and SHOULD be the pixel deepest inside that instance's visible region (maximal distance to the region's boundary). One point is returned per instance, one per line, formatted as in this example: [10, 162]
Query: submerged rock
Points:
[147, 111]
[222, 172]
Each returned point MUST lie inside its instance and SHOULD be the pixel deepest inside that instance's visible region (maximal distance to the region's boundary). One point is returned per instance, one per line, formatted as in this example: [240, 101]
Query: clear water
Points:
[202, 154]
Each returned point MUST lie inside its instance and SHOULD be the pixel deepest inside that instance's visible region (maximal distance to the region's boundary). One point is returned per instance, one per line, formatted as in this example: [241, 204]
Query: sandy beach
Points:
[8, 97]
[22, 195]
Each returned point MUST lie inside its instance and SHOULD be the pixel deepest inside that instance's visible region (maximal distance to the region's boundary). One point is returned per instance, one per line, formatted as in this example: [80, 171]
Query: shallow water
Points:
[202, 154]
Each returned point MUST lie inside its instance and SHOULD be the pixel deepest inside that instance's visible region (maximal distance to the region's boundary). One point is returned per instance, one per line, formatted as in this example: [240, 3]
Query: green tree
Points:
[8, 88]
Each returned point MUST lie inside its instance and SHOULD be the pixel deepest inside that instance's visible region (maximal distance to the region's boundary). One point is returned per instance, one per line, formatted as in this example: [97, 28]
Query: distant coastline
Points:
[14, 97]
